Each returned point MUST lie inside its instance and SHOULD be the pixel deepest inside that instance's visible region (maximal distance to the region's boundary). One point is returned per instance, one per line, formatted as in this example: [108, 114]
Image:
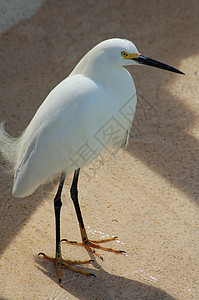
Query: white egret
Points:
[88, 112]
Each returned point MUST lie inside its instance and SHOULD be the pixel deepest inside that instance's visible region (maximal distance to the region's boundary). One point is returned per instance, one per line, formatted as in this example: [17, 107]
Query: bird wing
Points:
[62, 125]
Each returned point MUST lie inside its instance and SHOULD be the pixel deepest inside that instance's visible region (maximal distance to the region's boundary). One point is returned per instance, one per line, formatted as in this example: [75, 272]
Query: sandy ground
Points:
[12, 11]
[148, 195]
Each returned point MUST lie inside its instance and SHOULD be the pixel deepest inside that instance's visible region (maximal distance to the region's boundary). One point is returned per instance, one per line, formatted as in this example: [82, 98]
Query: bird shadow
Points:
[103, 286]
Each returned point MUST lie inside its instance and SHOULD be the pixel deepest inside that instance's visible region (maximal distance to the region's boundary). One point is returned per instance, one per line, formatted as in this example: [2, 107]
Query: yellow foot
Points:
[89, 244]
[60, 263]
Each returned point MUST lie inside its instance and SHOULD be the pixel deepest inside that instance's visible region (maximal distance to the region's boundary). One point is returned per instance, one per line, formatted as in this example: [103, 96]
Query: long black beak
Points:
[154, 63]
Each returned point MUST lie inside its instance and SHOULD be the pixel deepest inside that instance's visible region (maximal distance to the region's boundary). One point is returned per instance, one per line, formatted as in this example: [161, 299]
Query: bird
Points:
[89, 113]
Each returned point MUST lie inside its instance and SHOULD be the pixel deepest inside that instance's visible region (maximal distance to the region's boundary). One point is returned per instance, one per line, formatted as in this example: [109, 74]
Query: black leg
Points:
[88, 244]
[60, 263]
[57, 207]
[74, 196]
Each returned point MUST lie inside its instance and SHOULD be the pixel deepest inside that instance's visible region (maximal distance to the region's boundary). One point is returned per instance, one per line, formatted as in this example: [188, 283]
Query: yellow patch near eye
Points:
[127, 55]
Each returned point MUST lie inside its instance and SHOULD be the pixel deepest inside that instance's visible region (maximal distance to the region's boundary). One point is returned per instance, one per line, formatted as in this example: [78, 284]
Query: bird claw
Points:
[41, 253]
[89, 244]
[68, 265]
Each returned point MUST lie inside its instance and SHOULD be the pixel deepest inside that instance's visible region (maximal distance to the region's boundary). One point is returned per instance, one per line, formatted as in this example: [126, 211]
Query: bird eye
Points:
[124, 54]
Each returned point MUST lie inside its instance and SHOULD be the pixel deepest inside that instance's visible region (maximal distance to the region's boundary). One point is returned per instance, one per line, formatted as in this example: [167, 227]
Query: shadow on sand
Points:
[103, 286]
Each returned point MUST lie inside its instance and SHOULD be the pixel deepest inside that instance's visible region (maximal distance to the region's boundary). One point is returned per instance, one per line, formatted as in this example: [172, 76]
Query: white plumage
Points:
[88, 112]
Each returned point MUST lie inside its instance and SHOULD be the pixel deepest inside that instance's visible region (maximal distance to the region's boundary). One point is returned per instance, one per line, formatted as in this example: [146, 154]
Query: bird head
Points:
[116, 53]
[131, 56]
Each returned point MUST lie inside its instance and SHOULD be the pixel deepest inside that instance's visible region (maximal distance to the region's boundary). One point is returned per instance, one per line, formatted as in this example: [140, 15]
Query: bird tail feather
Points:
[8, 147]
